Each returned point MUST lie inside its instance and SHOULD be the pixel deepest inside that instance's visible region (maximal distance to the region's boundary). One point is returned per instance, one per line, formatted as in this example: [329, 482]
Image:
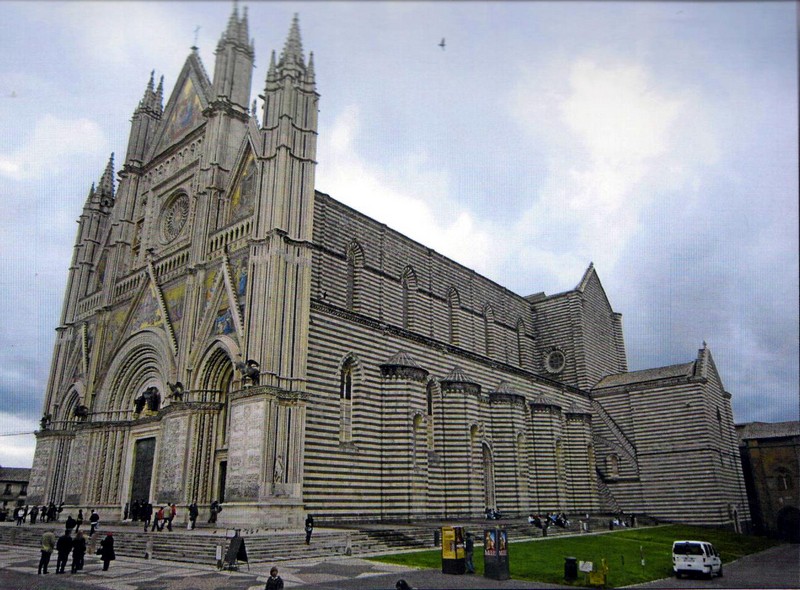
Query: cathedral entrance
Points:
[143, 453]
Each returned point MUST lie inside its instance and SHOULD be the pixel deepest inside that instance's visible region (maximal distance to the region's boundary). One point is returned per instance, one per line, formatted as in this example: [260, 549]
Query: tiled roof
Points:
[22, 474]
[672, 371]
[767, 430]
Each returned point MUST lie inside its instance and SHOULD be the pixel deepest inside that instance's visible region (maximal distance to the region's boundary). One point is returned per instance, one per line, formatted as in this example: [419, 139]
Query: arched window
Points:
[612, 465]
[488, 328]
[430, 393]
[346, 401]
[355, 264]
[521, 355]
[409, 286]
[453, 306]
[488, 477]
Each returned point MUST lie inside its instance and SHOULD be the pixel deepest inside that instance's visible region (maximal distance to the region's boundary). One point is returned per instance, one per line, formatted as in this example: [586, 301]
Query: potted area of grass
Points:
[623, 550]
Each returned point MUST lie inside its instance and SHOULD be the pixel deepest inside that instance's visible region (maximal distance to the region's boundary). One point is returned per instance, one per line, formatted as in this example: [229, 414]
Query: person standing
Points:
[79, 520]
[48, 544]
[193, 514]
[34, 514]
[63, 548]
[94, 522]
[70, 523]
[107, 551]
[19, 515]
[78, 552]
[215, 509]
[469, 550]
[274, 582]
[309, 528]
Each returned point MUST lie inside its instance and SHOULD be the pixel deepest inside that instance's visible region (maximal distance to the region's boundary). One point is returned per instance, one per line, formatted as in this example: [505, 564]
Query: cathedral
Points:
[231, 333]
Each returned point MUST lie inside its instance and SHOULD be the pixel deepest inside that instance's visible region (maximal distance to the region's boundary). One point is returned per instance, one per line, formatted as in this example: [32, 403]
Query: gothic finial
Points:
[244, 36]
[310, 67]
[293, 48]
[160, 95]
[106, 187]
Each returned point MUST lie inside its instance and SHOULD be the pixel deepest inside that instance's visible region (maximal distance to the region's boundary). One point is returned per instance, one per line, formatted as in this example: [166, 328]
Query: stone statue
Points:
[177, 391]
[249, 370]
[278, 474]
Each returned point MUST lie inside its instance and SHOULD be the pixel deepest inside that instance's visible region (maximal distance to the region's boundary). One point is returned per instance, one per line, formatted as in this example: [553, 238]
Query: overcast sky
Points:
[657, 140]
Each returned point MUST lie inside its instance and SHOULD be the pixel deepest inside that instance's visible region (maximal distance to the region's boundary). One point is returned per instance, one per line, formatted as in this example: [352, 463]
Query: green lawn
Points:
[543, 560]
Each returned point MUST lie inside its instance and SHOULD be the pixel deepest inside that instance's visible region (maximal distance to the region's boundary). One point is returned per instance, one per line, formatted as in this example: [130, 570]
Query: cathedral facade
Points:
[230, 333]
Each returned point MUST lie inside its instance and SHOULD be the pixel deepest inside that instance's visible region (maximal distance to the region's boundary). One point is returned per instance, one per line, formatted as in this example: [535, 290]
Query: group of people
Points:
[66, 545]
[45, 513]
[558, 519]
[492, 514]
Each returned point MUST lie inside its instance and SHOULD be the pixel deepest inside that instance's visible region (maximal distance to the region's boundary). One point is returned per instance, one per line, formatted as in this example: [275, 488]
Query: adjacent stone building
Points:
[771, 463]
[229, 332]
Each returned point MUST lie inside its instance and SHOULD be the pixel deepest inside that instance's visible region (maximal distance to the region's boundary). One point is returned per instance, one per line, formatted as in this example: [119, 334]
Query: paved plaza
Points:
[778, 567]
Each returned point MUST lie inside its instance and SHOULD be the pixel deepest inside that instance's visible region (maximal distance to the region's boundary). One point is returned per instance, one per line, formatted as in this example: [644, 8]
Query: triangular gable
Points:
[184, 110]
[244, 187]
[218, 316]
[591, 281]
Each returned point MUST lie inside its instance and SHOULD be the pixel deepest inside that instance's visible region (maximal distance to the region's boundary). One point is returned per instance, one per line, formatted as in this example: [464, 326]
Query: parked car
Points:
[695, 557]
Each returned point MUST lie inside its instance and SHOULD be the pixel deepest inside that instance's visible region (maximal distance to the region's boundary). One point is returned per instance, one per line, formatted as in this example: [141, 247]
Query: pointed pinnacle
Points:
[310, 68]
[160, 95]
[107, 180]
[243, 32]
[293, 48]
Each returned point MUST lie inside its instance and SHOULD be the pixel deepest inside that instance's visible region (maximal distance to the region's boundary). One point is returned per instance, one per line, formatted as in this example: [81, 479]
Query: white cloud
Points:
[52, 148]
[399, 197]
[16, 451]
[618, 142]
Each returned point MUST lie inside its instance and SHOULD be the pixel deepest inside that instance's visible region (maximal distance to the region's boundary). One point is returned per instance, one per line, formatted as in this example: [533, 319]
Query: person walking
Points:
[78, 552]
[48, 544]
[173, 512]
[274, 582]
[309, 528]
[63, 549]
[193, 514]
[469, 550]
[107, 550]
[79, 520]
[147, 514]
[94, 522]
[158, 521]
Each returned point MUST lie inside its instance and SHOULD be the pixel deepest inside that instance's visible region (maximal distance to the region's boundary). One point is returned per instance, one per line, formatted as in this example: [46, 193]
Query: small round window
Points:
[174, 216]
[554, 361]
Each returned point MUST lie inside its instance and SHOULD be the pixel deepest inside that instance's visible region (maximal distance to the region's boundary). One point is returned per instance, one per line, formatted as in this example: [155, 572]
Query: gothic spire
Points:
[310, 75]
[293, 48]
[237, 31]
[106, 188]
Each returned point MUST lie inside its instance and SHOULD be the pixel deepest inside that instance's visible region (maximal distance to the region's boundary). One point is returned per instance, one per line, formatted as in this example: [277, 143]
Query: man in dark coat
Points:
[309, 528]
[64, 548]
[70, 523]
[147, 514]
[94, 521]
[78, 551]
[193, 514]
[107, 551]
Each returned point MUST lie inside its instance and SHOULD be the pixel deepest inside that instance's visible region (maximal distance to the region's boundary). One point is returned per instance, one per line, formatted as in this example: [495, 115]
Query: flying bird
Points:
[442, 44]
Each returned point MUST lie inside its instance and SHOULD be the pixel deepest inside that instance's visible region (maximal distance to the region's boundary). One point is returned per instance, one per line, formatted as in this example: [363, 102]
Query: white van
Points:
[695, 557]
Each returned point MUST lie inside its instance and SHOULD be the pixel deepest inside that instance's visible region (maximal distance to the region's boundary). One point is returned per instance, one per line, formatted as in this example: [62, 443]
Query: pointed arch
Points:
[355, 271]
[408, 282]
[145, 360]
[453, 313]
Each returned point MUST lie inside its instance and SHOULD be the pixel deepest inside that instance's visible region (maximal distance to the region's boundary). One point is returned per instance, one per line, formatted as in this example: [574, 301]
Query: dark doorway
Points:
[789, 524]
[143, 452]
[223, 474]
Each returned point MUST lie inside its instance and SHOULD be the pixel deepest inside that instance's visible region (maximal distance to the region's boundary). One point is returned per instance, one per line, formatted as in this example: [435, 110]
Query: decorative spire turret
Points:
[293, 48]
[233, 69]
[106, 188]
